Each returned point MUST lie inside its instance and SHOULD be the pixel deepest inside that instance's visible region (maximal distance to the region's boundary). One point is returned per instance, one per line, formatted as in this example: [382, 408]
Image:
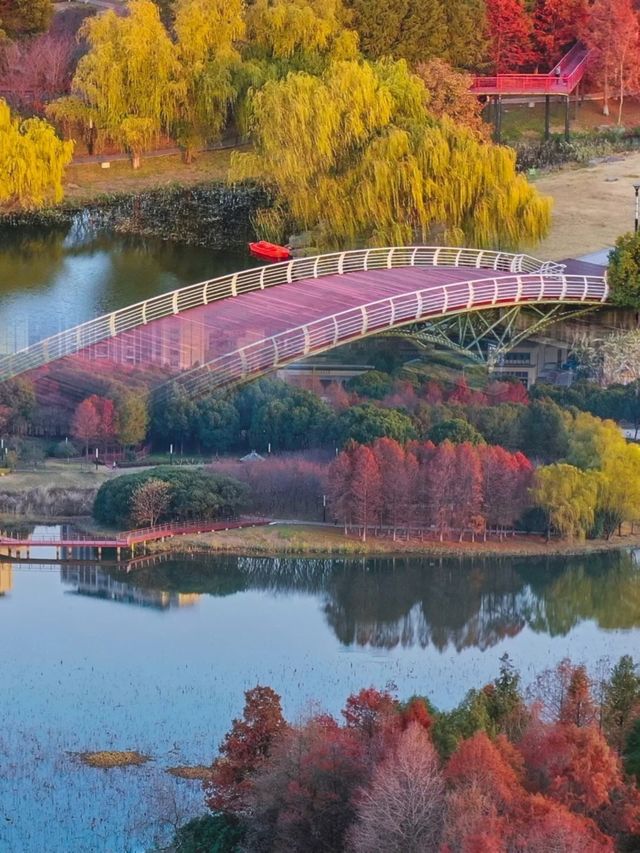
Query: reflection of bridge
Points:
[241, 326]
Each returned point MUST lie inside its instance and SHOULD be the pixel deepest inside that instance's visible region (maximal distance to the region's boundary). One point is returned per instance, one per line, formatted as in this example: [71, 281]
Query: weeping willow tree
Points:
[32, 161]
[207, 33]
[129, 80]
[357, 158]
[298, 34]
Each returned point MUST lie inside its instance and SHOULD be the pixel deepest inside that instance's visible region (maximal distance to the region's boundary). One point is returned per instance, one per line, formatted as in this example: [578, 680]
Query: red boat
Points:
[270, 251]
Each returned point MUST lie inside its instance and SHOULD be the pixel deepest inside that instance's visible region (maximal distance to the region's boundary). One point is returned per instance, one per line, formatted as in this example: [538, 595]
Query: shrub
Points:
[194, 494]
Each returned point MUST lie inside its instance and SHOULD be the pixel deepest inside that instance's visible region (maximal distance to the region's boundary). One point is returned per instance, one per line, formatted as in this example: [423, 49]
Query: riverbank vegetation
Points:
[411, 458]
[505, 770]
[212, 63]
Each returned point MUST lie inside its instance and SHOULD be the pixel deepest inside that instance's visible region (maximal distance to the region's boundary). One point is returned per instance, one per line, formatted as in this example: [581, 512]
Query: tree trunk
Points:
[135, 160]
[621, 96]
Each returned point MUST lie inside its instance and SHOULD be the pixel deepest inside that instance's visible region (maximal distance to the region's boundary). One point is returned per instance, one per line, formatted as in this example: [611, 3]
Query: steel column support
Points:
[547, 117]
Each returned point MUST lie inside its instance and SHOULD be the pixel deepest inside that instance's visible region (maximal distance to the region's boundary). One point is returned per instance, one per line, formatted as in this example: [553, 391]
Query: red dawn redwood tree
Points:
[573, 765]
[507, 478]
[441, 491]
[394, 482]
[611, 31]
[365, 488]
[339, 487]
[556, 25]
[467, 488]
[86, 422]
[244, 750]
[509, 31]
[302, 799]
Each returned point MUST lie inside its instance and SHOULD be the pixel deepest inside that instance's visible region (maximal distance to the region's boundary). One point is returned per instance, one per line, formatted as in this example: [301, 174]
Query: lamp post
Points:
[636, 187]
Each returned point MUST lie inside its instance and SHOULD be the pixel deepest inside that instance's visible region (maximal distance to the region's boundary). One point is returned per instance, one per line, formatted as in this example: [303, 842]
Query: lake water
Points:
[158, 659]
[52, 279]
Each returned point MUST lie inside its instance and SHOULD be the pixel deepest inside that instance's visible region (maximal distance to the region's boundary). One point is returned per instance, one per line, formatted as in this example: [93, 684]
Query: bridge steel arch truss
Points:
[453, 301]
[485, 336]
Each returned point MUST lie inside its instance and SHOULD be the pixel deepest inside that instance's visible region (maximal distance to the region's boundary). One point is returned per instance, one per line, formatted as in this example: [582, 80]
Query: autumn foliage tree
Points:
[611, 31]
[244, 750]
[149, 502]
[380, 781]
[359, 141]
[556, 25]
[509, 30]
[462, 488]
[401, 810]
[32, 161]
[86, 423]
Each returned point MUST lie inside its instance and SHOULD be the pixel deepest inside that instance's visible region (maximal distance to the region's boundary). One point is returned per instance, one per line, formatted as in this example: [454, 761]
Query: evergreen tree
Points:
[467, 34]
[623, 273]
[621, 701]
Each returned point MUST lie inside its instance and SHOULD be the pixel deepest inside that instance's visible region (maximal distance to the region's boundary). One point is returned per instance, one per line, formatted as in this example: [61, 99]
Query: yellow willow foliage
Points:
[592, 440]
[282, 28]
[207, 32]
[131, 69]
[619, 486]
[568, 496]
[208, 29]
[32, 161]
[357, 157]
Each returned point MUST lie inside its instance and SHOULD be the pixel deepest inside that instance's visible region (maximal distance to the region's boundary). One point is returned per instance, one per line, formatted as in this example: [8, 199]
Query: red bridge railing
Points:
[561, 80]
[132, 537]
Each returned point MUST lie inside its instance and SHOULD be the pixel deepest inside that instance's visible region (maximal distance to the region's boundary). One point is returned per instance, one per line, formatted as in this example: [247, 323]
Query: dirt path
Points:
[593, 205]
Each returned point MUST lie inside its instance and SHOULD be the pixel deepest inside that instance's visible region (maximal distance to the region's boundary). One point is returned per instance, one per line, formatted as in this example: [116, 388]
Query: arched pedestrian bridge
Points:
[240, 326]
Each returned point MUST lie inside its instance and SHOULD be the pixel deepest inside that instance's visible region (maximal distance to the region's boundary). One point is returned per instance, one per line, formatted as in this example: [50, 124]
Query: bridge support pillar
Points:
[118, 550]
[566, 118]
[547, 117]
[99, 553]
[498, 118]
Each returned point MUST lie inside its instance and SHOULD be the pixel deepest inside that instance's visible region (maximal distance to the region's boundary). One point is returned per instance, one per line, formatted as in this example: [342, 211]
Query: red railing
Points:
[133, 537]
[562, 79]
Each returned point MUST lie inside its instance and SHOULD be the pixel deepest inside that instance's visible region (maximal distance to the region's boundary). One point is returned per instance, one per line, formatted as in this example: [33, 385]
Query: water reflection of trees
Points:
[420, 602]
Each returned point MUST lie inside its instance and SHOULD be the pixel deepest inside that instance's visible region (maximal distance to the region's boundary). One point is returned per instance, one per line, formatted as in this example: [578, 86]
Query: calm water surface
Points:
[158, 659]
[53, 279]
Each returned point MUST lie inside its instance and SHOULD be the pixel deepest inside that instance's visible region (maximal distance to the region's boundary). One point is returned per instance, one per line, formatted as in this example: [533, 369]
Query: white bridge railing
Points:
[300, 269]
[320, 335]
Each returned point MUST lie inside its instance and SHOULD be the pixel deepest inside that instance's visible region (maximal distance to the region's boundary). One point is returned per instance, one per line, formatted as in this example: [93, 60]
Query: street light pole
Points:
[637, 218]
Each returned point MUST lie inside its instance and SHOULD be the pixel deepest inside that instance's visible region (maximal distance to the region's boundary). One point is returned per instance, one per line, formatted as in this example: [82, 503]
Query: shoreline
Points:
[309, 539]
[286, 539]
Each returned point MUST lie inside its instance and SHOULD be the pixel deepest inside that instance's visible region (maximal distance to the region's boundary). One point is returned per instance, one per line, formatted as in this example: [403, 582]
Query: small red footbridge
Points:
[561, 80]
[128, 540]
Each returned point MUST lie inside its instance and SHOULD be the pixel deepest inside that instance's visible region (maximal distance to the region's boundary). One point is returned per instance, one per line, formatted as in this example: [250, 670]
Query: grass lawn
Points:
[86, 181]
[309, 539]
[522, 122]
[60, 475]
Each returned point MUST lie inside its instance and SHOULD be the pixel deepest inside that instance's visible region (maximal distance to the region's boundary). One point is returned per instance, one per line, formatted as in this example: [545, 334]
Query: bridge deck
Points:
[132, 537]
[250, 323]
[562, 80]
